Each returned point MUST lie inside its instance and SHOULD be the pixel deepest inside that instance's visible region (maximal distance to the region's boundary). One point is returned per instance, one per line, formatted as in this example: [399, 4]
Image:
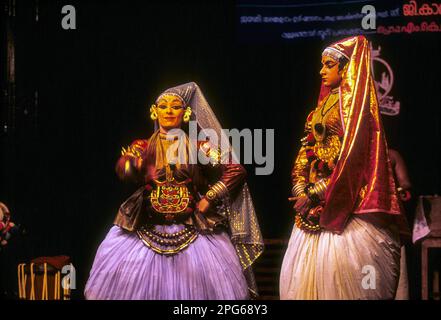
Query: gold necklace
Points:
[319, 127]
[323, 114]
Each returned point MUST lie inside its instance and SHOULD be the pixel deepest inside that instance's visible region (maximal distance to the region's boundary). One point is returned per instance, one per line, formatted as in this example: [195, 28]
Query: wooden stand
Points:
[425, 245]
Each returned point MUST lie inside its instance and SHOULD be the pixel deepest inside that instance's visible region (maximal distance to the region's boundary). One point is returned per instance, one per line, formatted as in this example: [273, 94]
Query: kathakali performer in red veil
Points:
[346, 239]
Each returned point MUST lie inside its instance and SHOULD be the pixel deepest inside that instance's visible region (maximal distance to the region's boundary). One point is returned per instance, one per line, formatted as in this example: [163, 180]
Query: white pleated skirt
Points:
[361, 263]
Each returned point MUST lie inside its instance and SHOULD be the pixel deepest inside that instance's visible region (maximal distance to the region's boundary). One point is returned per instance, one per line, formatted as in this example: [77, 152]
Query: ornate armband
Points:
[217, 191]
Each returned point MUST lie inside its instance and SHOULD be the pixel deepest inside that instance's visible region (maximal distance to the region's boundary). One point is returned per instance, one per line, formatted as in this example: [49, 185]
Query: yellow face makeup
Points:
[170, 110]
[329, 72]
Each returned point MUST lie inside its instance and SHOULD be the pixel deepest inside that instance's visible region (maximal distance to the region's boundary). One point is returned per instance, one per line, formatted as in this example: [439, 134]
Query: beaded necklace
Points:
[323, 114]
[319, 127]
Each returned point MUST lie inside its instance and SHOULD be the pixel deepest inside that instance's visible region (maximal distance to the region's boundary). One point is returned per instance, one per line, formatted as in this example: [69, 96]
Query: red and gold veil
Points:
[362, 181]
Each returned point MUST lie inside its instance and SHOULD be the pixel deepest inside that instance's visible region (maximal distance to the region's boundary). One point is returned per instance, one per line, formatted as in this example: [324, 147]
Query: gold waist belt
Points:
[167, 243]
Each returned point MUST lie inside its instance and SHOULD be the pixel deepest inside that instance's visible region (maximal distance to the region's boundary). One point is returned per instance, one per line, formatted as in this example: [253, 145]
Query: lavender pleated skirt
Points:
[125, 269]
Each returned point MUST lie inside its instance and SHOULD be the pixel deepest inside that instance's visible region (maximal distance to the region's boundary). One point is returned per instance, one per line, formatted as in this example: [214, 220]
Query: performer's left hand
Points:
[302, 204]
[203, 205]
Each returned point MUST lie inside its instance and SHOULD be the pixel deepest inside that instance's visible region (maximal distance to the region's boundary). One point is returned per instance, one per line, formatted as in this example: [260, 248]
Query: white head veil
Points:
[243, 224]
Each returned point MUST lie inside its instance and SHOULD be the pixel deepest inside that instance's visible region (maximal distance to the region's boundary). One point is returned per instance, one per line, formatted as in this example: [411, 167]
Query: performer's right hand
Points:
[126, 166]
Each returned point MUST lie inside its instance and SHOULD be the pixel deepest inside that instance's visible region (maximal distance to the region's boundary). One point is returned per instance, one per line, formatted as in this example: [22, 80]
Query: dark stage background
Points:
[95, 85]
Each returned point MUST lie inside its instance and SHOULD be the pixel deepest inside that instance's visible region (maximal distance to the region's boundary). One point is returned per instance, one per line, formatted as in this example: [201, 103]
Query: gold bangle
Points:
[320, 188]
[218, 190]
[298, 189]
[211, 195]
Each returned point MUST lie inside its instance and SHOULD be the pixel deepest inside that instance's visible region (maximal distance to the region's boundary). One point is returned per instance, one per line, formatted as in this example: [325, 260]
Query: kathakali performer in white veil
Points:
[345, 243]
[190, 231]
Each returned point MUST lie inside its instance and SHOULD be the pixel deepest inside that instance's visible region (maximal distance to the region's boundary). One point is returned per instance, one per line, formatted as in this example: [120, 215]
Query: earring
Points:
[153, 114]
[187, 114]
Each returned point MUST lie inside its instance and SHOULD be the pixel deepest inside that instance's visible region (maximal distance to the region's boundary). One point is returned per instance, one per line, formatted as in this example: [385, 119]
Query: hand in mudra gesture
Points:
[302, 204]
